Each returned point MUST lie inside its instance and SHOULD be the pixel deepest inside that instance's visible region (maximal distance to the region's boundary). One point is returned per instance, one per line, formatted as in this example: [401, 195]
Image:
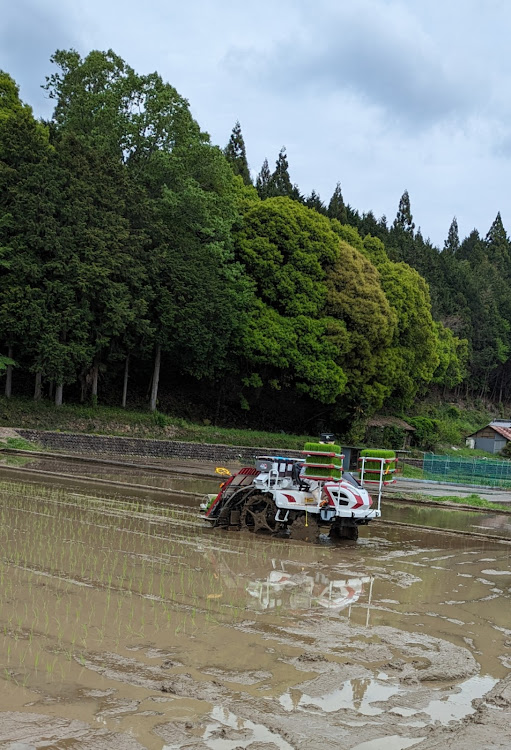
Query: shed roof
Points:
[502, 430]
[378, 421]
[500, 426]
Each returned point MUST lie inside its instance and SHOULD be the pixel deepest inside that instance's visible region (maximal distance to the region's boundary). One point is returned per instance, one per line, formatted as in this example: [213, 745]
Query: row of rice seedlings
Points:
[57, 557]
[122, 561]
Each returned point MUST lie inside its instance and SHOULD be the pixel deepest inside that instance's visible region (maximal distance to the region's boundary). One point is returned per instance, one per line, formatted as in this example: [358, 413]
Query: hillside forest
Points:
[139, 263]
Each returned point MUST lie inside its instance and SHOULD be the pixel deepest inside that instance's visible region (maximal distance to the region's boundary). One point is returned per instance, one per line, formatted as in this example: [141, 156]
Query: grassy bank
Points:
[104, 420]
[473, 501]
[450, 424]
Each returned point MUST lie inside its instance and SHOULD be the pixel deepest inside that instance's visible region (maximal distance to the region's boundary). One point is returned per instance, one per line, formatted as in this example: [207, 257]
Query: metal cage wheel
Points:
[258, 514]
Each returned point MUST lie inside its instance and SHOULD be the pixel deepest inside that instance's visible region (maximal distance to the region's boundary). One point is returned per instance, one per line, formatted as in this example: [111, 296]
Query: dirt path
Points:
[6, 432]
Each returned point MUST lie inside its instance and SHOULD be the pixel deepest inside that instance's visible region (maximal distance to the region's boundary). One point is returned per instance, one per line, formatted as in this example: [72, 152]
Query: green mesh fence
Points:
[487, 471]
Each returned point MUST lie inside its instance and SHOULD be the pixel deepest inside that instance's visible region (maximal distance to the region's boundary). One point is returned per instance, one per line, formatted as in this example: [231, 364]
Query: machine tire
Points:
[304, 528]
[258, 514]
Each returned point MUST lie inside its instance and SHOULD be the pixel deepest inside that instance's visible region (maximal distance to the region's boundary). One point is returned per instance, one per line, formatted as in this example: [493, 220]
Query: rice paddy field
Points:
[126, 622]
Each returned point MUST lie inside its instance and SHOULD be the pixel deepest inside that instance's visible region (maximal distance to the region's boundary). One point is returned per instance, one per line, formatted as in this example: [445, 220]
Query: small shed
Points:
[492, 438]
[383, 422]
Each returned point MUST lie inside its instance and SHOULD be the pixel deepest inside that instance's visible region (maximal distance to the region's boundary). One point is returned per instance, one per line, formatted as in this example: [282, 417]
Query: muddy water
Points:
[129, 474]
[497, 524]
[128, 624]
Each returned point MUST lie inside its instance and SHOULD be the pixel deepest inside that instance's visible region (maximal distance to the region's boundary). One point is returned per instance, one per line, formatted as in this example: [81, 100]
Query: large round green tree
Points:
[322, 321]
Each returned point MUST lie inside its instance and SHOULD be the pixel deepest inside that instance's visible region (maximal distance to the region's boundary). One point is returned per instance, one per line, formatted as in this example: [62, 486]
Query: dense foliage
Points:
[131, 247]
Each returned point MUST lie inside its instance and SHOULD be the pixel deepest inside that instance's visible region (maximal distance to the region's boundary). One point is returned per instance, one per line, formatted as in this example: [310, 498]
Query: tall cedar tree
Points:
[314, 201]
[236, 154]
[263, 181]
[497, 244]
[26, 221]
[280, 181]
[452, 243]
[404, 218]
[401, 237]
[98, 251]
[336, 208]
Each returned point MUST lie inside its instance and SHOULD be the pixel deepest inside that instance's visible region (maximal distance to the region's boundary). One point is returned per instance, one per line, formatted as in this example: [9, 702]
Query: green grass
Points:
[410, 472]
[20, 444]
[473, 500]
[104, 420]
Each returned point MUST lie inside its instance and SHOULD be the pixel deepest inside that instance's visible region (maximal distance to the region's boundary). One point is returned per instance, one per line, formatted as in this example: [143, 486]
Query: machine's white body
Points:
[327, 500]
[276, 496]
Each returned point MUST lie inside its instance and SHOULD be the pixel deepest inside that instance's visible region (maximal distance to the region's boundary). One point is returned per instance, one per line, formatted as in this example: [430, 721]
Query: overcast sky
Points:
[380, 95]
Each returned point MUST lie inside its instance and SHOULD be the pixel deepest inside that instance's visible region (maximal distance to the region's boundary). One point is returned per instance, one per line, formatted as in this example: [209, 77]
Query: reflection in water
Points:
[248, 733]
[304, 590]
[288, 585]
[357, 695]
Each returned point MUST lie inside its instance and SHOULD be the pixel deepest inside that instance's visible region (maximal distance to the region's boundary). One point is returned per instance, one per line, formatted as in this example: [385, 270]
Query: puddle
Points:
[255, 732]
[125, 615]
[359, 695]
[459, 705]
[394, 742]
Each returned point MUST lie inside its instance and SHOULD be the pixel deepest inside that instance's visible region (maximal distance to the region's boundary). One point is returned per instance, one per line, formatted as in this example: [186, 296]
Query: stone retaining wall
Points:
[105, 444]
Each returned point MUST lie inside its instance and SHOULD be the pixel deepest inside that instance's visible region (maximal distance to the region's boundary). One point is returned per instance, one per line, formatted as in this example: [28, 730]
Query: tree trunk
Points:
[94, 390]
[218, 405]
[156, 378]
[83, 387]
[38, 383]
[8, 376]
[50, 390]
[125, 384]
[58, 394]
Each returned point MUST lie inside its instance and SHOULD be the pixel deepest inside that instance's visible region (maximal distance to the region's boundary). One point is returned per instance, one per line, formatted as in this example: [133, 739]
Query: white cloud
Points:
[379, 52]
[382, 95]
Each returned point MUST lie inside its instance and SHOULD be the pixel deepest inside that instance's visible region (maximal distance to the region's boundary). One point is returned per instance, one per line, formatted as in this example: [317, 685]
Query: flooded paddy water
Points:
[127, 623]
[157, 476]
[485, 523]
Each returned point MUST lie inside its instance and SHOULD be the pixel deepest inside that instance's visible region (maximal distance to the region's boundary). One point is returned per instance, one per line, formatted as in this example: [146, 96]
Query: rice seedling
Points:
[95, 571]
